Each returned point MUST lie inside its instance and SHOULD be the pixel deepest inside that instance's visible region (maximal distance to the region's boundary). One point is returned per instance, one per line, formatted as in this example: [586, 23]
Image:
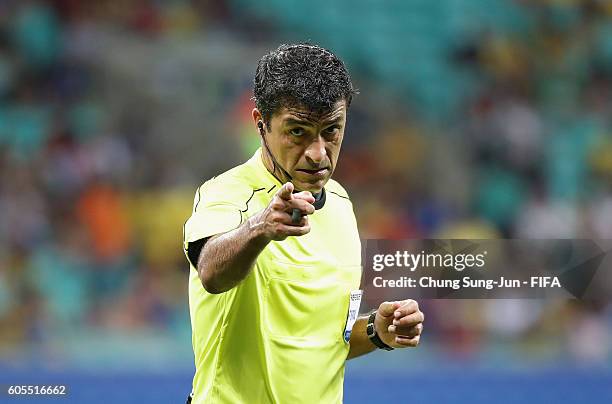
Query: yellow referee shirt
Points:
[277, 337]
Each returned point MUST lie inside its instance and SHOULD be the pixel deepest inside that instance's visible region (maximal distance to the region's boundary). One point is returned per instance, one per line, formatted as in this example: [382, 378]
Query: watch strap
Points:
[373, 335]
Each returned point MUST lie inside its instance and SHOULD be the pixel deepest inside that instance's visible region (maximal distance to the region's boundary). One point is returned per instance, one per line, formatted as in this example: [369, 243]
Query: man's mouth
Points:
[321, 172]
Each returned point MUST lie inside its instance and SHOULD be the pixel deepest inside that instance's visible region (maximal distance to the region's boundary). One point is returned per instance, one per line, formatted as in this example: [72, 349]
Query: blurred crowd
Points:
[112, 113]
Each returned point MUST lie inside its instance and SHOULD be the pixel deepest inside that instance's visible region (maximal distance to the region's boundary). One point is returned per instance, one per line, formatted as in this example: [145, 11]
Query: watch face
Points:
[370, 327]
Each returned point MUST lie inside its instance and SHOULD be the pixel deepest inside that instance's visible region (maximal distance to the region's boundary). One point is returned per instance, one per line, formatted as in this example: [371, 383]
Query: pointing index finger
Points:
[285, 191]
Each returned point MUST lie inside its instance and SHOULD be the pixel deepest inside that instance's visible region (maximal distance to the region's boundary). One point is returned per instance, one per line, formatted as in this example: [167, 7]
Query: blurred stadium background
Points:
[477, 118]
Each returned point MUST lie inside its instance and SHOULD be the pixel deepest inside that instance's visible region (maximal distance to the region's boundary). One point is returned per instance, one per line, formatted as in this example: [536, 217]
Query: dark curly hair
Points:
[300, 75]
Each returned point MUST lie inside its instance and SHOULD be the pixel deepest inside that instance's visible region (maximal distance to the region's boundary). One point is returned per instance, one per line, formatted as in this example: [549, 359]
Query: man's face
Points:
[305, 144]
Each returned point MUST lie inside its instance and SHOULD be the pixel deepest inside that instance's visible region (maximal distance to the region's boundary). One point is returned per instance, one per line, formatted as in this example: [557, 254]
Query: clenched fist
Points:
[399, 324]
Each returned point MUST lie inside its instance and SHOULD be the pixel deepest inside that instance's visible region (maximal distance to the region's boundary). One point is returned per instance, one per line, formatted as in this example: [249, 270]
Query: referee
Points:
[275, 253]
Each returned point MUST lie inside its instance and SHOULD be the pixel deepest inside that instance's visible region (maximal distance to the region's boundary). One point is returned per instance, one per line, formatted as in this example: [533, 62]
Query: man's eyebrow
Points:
[337, 119]
[295, 121]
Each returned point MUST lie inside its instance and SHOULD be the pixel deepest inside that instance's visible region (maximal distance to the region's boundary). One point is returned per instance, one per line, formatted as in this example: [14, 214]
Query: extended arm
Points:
[227, 258]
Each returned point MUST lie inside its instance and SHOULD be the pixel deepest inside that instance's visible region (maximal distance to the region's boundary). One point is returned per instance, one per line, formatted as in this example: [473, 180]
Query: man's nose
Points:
[316, 152]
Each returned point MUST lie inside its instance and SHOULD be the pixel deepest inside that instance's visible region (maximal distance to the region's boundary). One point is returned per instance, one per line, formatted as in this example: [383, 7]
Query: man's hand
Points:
[399, 324]
[274, 222]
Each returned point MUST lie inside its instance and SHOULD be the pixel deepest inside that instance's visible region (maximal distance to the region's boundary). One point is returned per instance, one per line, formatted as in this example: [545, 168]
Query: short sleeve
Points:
[217, 209]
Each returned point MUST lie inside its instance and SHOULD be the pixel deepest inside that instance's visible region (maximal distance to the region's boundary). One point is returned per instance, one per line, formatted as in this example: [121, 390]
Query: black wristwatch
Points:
[373, 335]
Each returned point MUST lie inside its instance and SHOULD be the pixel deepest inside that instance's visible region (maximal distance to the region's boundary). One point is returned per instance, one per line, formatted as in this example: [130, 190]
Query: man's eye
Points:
[332, 129]
[296, 131]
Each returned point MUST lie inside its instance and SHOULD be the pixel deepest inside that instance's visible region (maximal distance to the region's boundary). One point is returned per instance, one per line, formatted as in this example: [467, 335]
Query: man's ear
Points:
[257, 117]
